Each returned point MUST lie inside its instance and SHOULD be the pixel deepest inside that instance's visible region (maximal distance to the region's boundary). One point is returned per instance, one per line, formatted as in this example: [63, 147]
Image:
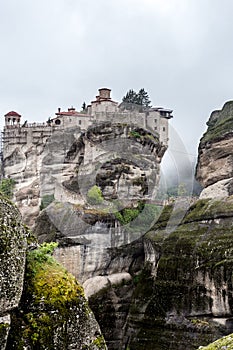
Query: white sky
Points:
[57, 53]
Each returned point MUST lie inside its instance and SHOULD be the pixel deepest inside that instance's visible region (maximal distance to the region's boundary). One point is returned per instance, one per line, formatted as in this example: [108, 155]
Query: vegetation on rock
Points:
[7, 187]
[221, 125]
[53, 312]
[141, 98]
[94, 195]
[225, 343]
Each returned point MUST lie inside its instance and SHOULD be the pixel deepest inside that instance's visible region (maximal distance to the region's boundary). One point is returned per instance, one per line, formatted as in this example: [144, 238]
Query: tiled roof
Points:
[12, 114]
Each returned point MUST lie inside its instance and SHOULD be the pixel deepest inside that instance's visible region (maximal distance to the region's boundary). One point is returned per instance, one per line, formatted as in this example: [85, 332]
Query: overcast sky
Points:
[57, 53]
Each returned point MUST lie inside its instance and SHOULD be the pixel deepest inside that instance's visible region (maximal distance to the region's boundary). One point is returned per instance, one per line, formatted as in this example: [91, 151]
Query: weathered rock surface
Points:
[38, 169]
[122, 159]
[181, 297]
[215, 154]
[42, 306]
[85, 236]
[53, 312]
[13, 245]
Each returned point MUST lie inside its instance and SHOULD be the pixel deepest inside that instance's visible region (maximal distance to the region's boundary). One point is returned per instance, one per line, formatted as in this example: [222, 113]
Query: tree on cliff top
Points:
[141, 98]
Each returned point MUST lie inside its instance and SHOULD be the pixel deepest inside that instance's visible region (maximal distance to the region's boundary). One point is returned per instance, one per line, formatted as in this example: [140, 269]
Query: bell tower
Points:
[12, 119]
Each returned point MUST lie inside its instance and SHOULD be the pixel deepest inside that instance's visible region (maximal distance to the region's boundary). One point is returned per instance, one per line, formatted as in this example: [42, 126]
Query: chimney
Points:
[59, 110]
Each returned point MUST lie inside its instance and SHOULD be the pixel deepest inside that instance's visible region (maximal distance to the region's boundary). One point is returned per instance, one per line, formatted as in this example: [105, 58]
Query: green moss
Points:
[200, 323]
[7, 187]
[221, 126]
[50, 296]
[99, 342]
[48, 280]
[134, 134]
[3, 329]
[95, 196]
[225, 343]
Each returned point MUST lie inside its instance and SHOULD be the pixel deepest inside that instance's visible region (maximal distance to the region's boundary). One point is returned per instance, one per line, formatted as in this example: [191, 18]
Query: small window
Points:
[57, 122]
[80, 122]
[163, 113]
[155, 127]
[164, 129]
[155, 121]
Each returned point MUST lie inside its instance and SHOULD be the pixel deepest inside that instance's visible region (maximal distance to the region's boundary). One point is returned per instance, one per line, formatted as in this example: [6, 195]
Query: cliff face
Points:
[37, 168]
[42, 306]
[122, 159]
[214, 169]
[181, 297]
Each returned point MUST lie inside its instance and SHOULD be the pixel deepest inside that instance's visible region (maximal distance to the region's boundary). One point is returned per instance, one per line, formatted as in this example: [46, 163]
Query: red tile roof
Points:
[12, 114]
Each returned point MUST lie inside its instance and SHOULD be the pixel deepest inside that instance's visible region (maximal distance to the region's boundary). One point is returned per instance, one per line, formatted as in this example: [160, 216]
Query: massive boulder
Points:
[13, 245]
[53, 312]
[42, 306]
[215, 166]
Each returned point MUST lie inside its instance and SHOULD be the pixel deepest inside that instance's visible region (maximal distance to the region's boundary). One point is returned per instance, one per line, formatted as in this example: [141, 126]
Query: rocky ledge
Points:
[214, 168]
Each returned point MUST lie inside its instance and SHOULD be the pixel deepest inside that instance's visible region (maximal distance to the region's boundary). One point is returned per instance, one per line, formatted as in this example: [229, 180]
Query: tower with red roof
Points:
[12, 119]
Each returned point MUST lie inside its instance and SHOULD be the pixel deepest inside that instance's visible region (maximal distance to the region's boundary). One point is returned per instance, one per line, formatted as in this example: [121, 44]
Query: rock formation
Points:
[225, 343]
[42, 306]
[42, 157]
[13, 245]
[214, 168]
[154, 280]
[180, 292]
[123, 162]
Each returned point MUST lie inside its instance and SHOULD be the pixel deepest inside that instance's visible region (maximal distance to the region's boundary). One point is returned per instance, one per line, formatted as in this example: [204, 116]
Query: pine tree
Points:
[84, 106]
[141, 98]
[130, 97]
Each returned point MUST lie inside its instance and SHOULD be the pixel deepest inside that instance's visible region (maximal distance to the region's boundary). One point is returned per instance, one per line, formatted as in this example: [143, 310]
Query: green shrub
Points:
[127, 215]
[7, 187]
[94, 195]
[134, 134]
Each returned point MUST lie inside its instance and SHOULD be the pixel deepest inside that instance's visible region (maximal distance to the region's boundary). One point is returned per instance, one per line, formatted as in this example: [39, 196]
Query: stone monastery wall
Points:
[101, 110]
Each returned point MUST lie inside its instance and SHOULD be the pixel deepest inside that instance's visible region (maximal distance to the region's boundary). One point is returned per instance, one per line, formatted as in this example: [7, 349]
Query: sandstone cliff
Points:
[214, 168]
